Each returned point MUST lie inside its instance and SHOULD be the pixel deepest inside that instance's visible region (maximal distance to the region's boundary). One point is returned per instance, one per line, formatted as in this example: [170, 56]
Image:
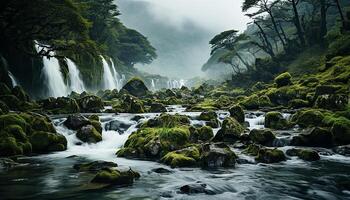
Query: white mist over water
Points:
[176, 83]
[13, 79]
[75, 82]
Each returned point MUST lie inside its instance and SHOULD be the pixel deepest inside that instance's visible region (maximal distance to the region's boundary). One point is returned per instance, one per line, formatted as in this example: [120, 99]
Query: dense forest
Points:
[270, 121]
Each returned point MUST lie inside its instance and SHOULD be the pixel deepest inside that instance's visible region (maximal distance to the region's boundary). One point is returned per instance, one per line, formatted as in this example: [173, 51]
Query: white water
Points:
[76, 84]
[13, 79]
[176, 83]
[53, 78]
[109, 82]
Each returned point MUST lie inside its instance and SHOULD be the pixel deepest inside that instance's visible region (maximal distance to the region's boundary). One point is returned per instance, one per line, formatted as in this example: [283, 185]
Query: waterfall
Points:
[13, 79]
[117, 77]
[53, 77]
[176, 83]
[108, 79]
[76, 84]
[153, 85]
[121, 82]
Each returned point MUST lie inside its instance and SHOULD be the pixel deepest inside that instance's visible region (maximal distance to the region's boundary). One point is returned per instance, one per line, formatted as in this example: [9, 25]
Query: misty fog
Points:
[180, 30]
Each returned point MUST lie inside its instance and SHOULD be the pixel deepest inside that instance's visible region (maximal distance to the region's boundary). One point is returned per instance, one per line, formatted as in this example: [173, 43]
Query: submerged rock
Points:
[196, 188]
[116, 176]
[342, 150]
[270, 156]
[305, 154]
[161, 171]
[75, 122]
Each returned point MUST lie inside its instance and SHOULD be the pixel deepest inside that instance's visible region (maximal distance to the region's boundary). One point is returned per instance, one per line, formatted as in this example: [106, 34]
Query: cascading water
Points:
[153, 85]
[76, 84]
[52, 75]
[176, 83]
[115, 74]
[108, 78]
[121, 82]
[13, 79]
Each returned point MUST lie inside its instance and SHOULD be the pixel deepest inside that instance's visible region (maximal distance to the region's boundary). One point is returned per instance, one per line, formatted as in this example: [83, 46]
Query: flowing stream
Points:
[52, 176]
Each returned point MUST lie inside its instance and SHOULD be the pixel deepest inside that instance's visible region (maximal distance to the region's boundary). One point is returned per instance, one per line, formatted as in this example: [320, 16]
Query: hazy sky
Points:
[181, 30]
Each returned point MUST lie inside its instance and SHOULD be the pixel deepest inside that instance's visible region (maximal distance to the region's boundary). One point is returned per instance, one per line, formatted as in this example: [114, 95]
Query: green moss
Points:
[13, 119]
[89, 134]
[309, 117]
[9, 147]
[11, 101]
[251, 102]
[4, 107]
[17, 132]
[270, 156]
[178, 160]
[283, 79]
[38, 122]
[237, 112]
[168, 121]
[264, 101]
[230, 131]
[263, 137]
[42, 141]
[275, 120]
[298, 103]
[252, 150]
[208, 115]
[205, 133]
[115, 177]
[341, 131]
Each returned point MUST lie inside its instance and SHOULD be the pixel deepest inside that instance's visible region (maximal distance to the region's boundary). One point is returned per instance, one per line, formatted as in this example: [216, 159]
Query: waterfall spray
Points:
[108, 79]
[75, 82]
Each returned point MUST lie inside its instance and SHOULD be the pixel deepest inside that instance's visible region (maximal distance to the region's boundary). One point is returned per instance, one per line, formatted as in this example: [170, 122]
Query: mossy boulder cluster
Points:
[27, 133]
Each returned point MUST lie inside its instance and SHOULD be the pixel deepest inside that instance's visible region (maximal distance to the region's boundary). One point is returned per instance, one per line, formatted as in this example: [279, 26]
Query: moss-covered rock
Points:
[182, 158]
[9, 147]
[4, 108]
[315, 137]
[60, 105]
[157, 108]
[75, 122]
[129, 104]
[308, 118]
[263, 137]
[89, 134]
[203, 134]
[252, 149]
[270, 156]
[283, 79]
[217, 155]
[90, 104]
[168, 121]
[20, 93]
[4, 90]
[341, 131]
[210, 118]
[298, 103]
[94, 166]
[264, 101]
[11, 101]
[275, 120]
[332, 101]
[38, 122]
[305, 154]
[251, 102]
[326, 89]
[44, 142]
[136, 87]
[237, 112]
[230, 131]
[116, 177]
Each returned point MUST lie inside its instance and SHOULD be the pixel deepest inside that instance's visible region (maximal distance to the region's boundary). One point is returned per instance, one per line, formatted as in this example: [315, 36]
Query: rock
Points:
[182, 158]
[264, 101]
[136, 87]
[230, 131]
[137, 118]
[116, 176]
[75, 122]
[283, 79]
[90, 104]
[308, 118]
[130, 104]
[4, 108]
[315, 137]
[326, 89]
[11, 101]
[168, 120]
[332, 101]
[251, 102]
[342, 150]
[94, 166]
[217, 155]
[237, 113]
[252, 149]
[263, 137]
[298, 103]
[161, 171]
[89, 134]
[4, 90]
[20, 93]
[211, 118]
[270, 156]
[44, 142]
[304, 154]
[205, 133]
[61, 105]
[341, 131]
[170, 93]
[157, 108]
[119, 126]
[7, 163]
[196, 189]
[275, 120]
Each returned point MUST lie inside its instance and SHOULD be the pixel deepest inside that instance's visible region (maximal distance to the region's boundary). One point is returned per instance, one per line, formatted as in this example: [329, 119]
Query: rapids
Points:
[52, 176]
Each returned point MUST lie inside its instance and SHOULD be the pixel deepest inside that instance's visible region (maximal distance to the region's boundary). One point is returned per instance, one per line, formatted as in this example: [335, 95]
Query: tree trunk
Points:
[297, 24]
[323, 25]
[275, 27]
[268, 47]
[341, 14]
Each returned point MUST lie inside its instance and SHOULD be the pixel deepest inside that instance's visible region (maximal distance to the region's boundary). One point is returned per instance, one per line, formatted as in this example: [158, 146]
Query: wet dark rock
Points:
[94, 166]
[157, 108]
[270, 156]
[89, 134]
[305, 154]
[196, 188]
[315, 137]
[75, 122]
[262, 136]
[275, 120]
[90, 104]
[210, 117]
[137, 118]
[237, 113]
[7, 163]
[136, 87]
[116, 125]
[342, 150]
[116, 176]
[230, 131]
[161, 171]
[217, 155]
[60, 105]
[332, 101]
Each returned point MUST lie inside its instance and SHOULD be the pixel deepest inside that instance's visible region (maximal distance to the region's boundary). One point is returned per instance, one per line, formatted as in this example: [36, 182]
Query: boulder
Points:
[119, 126]
[326, 89]
[4, 108]
[94, 166]
[308, 118]
[130, 104]
[262, 136]
[75, 122]
[136, 87]
[60, 105]
[211, 118]
[217, 155]
[270, 156]
[182, 158]
[196, 189]
[89, 134]
[168, 120]
[44, 142]
[283, 79]
[341, 131]
[116, 176]
[304, 154]
[342, 150]
[161, 170]
[157, 108]
[332, 101]
[314, 137]
[90, 104]
[275, 120]
[11, 101]
[237, 113]
[230, 131]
